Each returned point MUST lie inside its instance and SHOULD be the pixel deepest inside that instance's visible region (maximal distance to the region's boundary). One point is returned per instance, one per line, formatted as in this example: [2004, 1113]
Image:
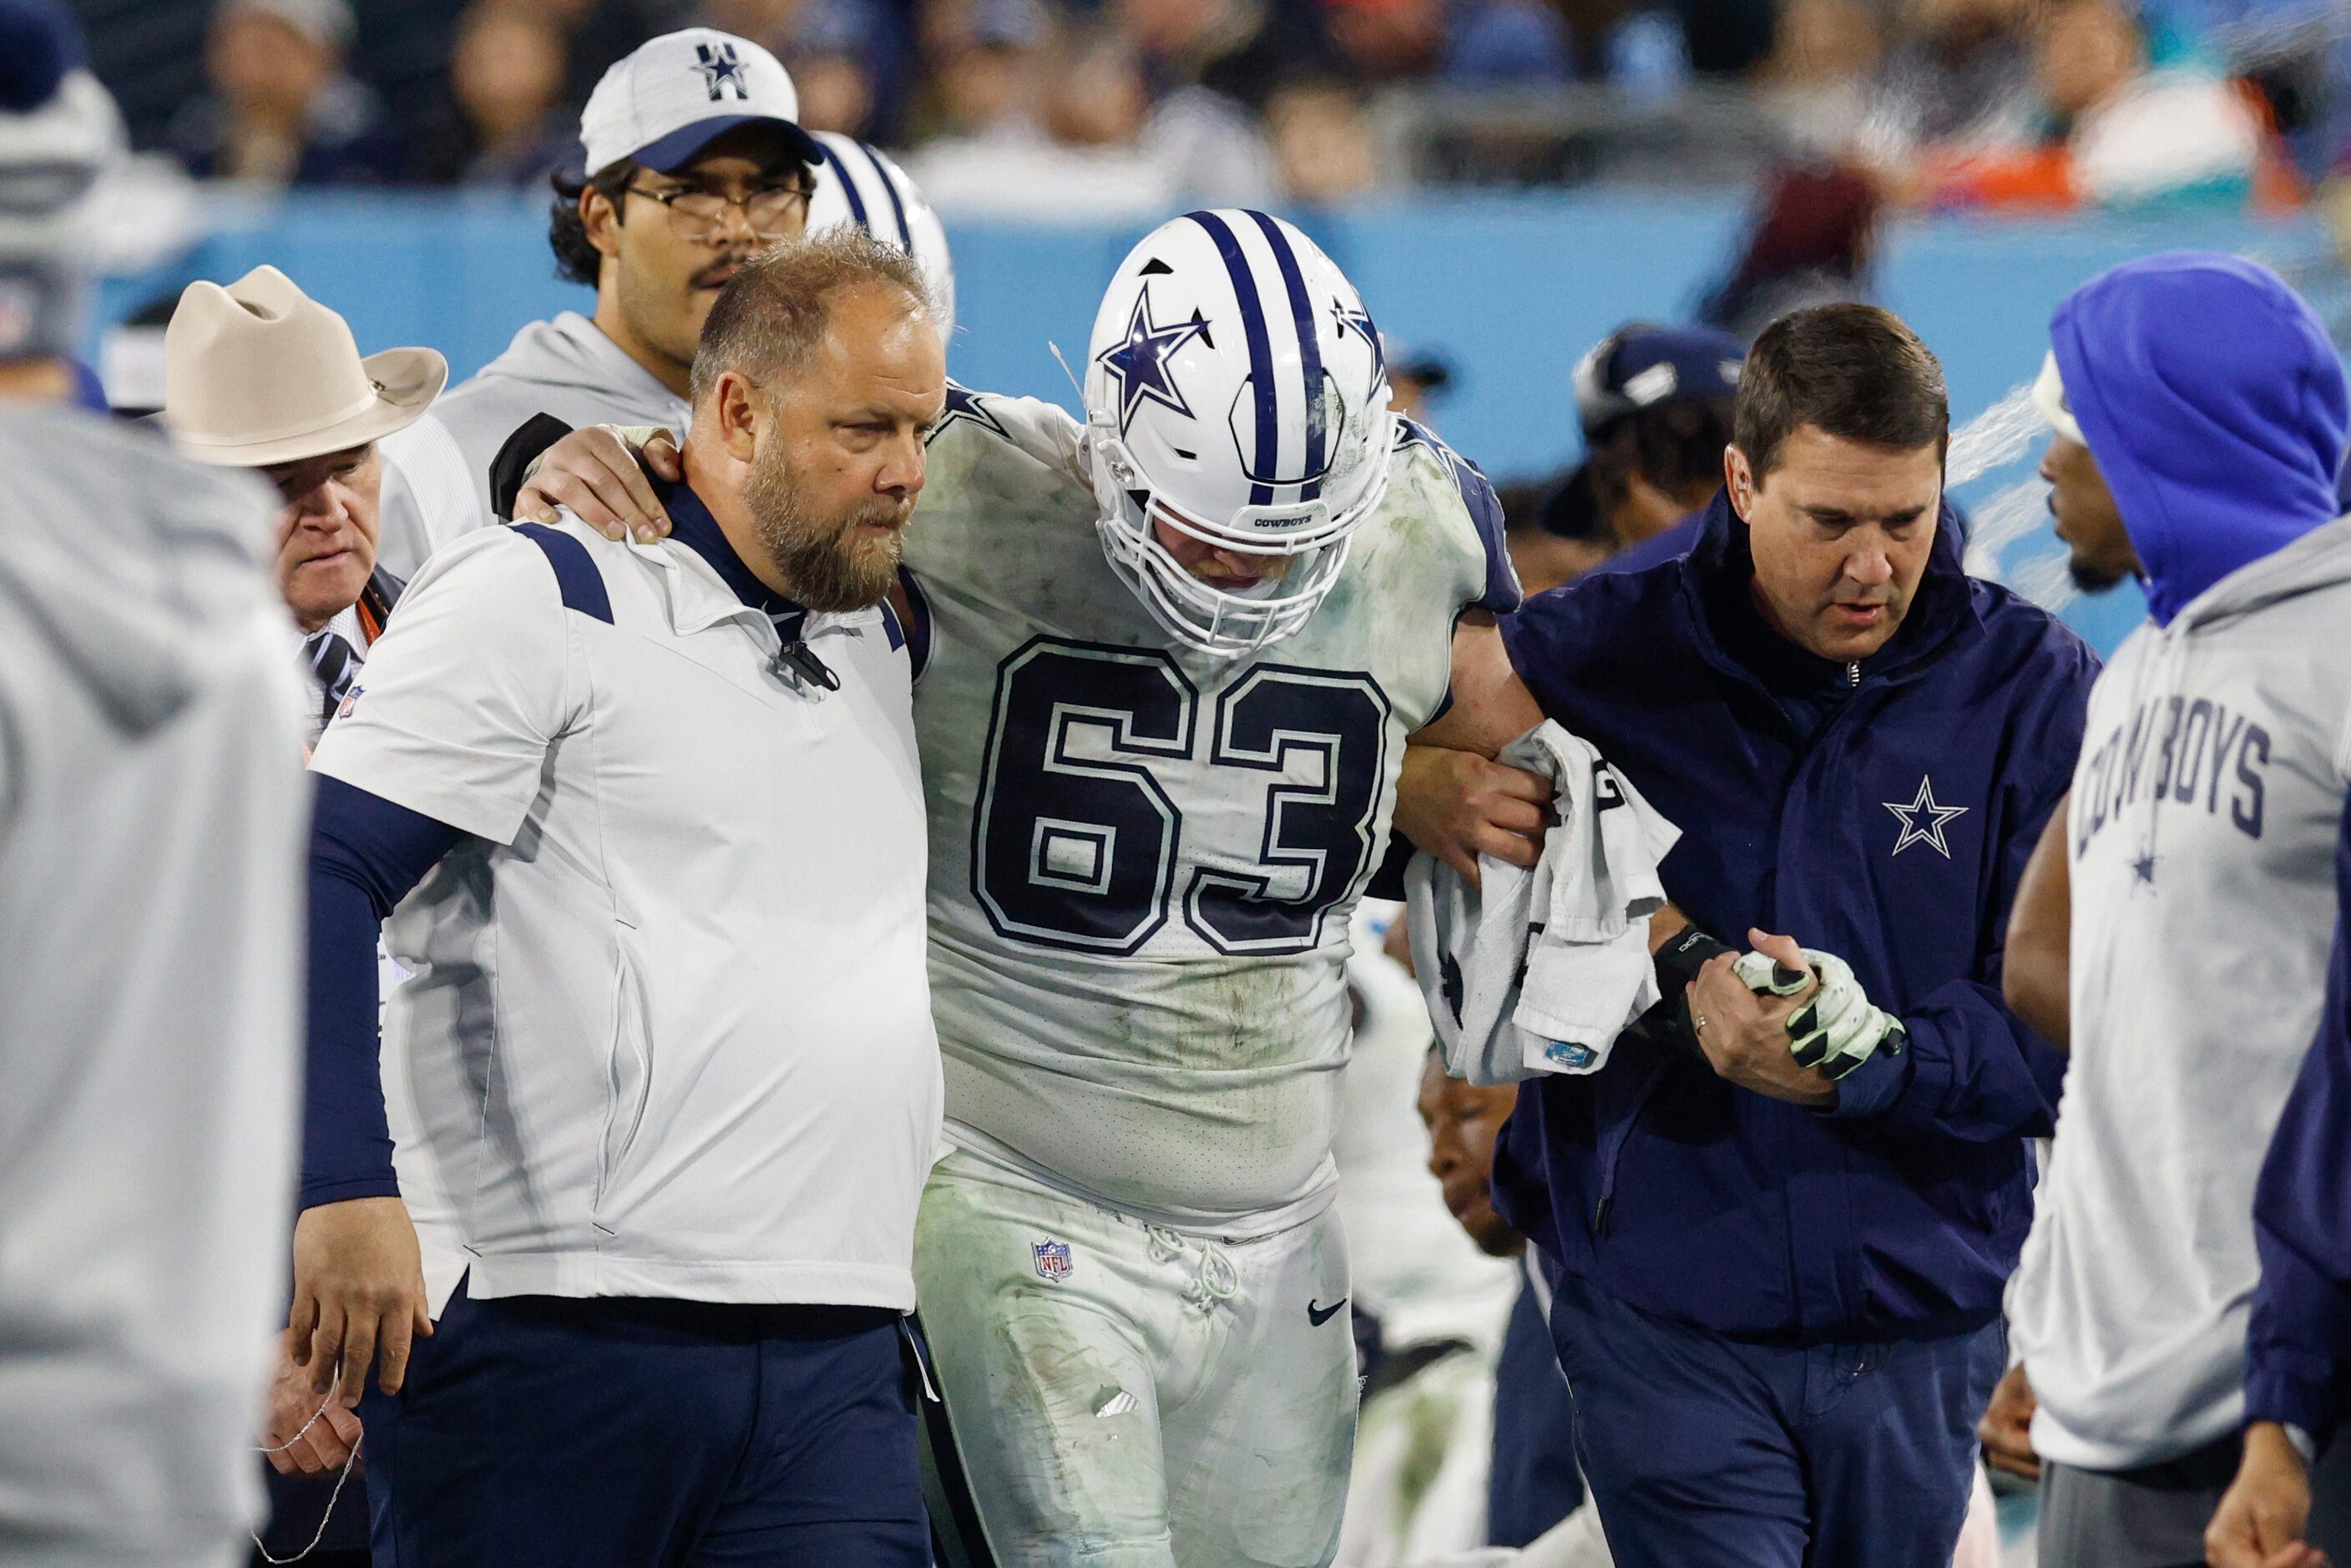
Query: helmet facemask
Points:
[1312, 540]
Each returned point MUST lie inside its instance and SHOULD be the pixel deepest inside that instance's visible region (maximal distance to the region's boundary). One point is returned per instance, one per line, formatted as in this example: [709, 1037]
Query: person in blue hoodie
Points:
[2179, 946]
[1779, 1290]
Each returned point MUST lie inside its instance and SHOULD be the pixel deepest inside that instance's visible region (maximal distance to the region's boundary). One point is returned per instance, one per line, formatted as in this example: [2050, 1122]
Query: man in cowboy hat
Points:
[259, 375]
[151, 810]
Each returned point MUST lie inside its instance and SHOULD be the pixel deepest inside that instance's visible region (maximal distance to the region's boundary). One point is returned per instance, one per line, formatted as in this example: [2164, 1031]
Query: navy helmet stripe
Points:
[848, 185]
[890, 189]
[1268, 422]
[1310, 351]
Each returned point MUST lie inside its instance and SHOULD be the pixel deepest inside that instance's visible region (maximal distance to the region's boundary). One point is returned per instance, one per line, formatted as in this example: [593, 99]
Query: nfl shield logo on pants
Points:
[1052, 1260]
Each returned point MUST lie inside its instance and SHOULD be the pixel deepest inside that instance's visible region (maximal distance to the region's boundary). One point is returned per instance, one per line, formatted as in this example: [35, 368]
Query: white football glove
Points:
[1840, 1028]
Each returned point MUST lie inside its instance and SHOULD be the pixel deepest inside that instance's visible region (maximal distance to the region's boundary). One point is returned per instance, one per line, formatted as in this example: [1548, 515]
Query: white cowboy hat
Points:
[259, 373]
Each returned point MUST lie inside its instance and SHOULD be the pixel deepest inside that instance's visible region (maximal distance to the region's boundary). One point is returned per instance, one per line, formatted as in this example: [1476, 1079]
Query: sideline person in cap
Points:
[1655, 405]
[2178, 942]
[1782, 1212]
[258, 375]
[662, 1087]
[152, 806]
[696, 161]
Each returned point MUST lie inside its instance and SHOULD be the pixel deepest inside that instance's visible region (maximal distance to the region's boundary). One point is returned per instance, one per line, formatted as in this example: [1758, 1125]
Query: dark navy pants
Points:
[1704, 1452]
[646, 1434]
[1534, 1482]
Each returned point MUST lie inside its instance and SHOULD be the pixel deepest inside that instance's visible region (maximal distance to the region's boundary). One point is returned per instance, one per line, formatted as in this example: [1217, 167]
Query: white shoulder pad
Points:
[1458, 489]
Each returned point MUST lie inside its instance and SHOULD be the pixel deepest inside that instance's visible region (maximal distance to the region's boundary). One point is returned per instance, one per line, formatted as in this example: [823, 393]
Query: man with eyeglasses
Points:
[696, 161]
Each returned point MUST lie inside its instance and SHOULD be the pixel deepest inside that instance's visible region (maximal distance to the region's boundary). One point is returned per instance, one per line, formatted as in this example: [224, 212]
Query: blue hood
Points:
[2215, 407]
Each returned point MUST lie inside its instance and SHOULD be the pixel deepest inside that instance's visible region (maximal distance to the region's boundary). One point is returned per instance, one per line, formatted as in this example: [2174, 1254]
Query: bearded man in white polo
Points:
[648, 823]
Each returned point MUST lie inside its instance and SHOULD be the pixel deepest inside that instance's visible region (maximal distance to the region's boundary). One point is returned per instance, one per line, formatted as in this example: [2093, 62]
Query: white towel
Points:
[1540, 970]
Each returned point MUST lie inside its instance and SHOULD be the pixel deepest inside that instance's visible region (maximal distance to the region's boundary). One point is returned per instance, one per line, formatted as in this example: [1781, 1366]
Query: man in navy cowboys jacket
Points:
[1780, 1291]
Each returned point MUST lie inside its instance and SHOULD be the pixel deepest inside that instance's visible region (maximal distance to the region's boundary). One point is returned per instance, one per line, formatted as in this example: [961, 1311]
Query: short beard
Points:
[2092, 578]
[831, 566]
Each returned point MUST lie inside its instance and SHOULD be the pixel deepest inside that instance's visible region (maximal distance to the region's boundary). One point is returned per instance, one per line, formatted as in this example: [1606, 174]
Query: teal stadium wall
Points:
[1510, 288]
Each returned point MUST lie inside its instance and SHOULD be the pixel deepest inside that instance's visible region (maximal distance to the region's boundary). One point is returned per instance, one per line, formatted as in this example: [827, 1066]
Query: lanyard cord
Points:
[332, 1498]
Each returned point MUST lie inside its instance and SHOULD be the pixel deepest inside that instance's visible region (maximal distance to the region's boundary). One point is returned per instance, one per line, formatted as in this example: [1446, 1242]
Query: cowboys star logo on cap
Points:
[674, 95]
[721, 69]
[1140, 363]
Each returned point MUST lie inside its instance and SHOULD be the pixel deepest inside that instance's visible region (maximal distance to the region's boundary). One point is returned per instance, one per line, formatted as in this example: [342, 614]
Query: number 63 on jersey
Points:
[1114, 800]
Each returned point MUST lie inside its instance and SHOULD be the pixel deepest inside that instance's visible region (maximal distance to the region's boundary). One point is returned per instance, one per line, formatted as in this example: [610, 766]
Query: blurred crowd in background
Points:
[1098, 110]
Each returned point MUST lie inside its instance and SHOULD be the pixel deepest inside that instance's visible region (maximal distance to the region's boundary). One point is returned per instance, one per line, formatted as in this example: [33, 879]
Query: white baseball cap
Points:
[662, 104]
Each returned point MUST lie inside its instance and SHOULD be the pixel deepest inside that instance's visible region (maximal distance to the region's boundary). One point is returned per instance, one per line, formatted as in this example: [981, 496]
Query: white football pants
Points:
[1147, 1398]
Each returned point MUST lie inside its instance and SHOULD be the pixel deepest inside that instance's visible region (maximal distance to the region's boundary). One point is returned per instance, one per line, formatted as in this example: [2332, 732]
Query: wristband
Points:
[1678, 964]
[1682, 956]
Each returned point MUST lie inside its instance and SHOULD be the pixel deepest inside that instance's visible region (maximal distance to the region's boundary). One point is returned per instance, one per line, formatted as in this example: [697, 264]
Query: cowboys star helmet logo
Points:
[1358, 321]
[1140, 363]
[721, 69]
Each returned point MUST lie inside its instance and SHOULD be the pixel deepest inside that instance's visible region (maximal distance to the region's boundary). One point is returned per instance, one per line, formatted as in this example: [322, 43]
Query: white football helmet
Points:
[859, 184]
[1236, 392]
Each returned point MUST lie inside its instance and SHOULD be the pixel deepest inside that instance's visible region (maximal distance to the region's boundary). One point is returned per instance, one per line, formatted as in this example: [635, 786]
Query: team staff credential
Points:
[648, 823]
[1781, 1288]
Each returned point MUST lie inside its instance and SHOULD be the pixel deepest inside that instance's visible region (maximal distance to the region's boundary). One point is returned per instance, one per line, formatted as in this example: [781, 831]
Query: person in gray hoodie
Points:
[667, 139]
[151, 824]
[2200, 415]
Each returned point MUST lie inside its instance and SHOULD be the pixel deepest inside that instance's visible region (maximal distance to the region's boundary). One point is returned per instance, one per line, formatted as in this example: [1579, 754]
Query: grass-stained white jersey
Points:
[1144, 858]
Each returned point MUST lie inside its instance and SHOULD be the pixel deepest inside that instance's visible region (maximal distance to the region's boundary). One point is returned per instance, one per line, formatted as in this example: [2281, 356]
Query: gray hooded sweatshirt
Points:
[153, 822]
[2203, 825]
[2203, 819]
[436, 480]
